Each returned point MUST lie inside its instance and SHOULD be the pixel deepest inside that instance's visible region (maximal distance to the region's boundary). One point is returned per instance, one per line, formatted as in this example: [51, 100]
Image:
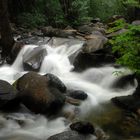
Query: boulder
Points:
[77, 94]
[8, 95]
[37, 95]
[136, 22]
[94, 53]
[54, 32]
[130, 102]
[55, 82]
[83, 127]
[72, 135]
[94, 59]
[124, 81]
[33, 60]
[88, 29]
[96, 42]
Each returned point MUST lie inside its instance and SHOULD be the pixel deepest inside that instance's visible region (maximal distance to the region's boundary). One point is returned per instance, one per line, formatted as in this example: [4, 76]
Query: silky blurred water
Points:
[96, 82]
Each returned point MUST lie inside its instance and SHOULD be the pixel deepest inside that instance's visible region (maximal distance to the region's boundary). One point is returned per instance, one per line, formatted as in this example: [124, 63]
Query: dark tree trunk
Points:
[66, 7]
[6, 40]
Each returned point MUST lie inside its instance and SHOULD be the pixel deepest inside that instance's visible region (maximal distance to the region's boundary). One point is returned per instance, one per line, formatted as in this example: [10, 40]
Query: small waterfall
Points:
[96, 82]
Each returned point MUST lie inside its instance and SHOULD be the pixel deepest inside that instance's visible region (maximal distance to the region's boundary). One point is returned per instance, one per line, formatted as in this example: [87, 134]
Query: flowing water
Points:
[96, 82]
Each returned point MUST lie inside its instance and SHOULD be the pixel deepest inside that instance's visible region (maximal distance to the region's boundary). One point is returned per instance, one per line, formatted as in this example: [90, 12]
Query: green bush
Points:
[128, 46]
[104, 9]
[31, 20]
[54, 14]
[117, 25]
[80, 12]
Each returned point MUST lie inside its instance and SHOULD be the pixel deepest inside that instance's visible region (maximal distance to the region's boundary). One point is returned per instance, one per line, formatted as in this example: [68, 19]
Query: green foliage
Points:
[132, 3]
[51, 13]
[31, 20]
[54, 14]
[117, 25]
[128, 46]
[80, 12]
[104, 9]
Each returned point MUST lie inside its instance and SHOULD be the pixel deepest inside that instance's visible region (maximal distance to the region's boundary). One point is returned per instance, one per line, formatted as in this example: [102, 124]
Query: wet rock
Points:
[7, 95]
[32, 60]
[96, 42]
[72, 101]
[54, 32]
[77, 94]
[71, 135]
[94, 53]
[96, 59]
[34, 40]
[55, 82]
[129, 102]
[88, 29]
[15, 51]
[124, 81]
[83, 127]
[58, 42]
[38, 96]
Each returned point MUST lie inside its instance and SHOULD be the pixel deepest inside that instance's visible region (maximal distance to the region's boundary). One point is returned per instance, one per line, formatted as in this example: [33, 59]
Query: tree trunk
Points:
[6, 40]
[66, 8]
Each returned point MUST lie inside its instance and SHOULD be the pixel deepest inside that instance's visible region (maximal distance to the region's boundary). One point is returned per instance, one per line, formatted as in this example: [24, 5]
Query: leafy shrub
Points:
[54, 14]
[117, 25]
[31, 20]
[80, 12]
[104, 9]
[132, 3]
[128, 46]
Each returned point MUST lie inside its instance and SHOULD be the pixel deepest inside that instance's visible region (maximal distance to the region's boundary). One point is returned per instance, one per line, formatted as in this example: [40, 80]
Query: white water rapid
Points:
[96, 82]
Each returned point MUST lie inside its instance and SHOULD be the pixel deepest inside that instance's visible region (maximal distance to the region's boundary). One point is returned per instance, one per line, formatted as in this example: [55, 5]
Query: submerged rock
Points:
[83, 127]
[79, 131]
[32, 60]
[77, 94]
[71, 135]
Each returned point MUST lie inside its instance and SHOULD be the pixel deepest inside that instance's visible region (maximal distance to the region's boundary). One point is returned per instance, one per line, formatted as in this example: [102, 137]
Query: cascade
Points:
[96, 82]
